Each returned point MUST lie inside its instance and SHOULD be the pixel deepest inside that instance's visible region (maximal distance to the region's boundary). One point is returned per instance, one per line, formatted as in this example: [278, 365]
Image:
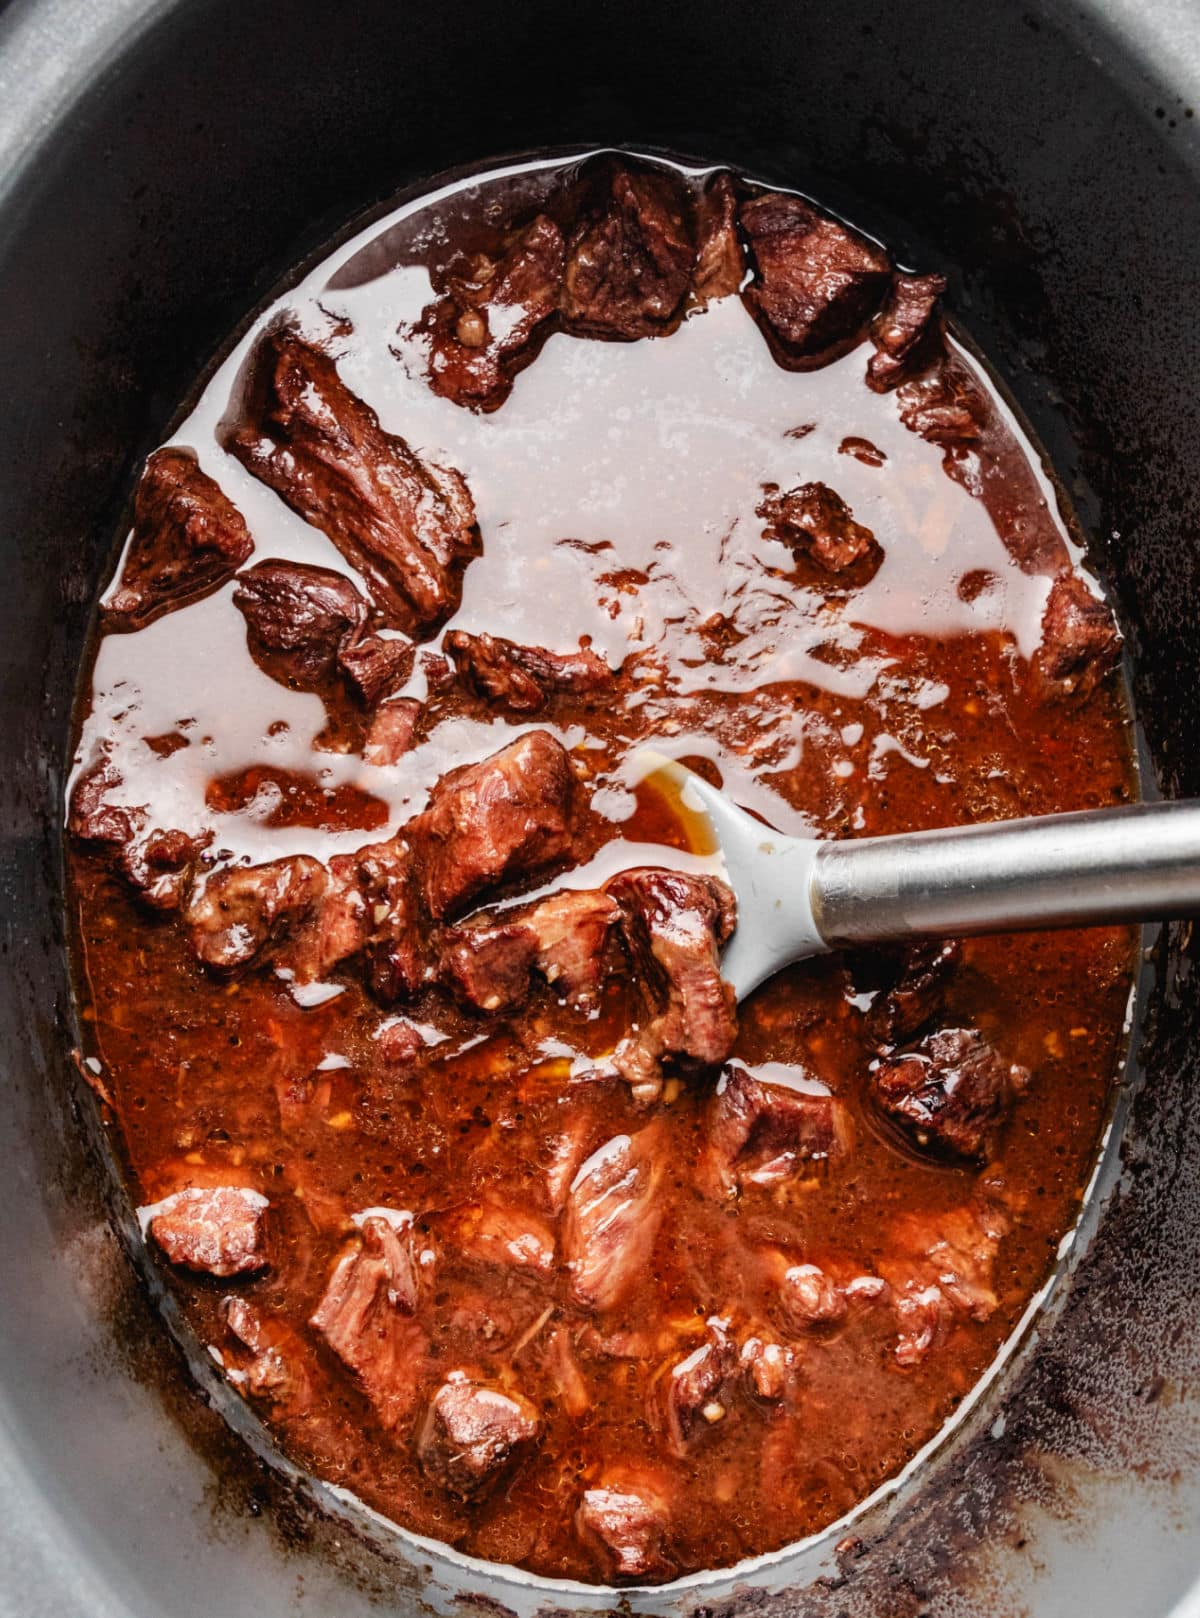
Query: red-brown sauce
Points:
[617, 492]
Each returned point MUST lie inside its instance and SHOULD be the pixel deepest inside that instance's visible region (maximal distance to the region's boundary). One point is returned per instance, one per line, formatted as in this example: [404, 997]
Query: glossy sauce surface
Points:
[617, 492]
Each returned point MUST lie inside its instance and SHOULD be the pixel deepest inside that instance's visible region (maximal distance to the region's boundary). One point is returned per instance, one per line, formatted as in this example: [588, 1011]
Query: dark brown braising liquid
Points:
[616, 493]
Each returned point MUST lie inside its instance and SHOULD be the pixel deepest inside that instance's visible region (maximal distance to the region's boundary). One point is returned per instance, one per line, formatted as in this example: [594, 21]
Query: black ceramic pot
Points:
[160, 165]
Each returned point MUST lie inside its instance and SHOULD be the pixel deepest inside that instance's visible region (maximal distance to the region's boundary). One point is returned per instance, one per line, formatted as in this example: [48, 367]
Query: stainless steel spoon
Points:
[799, 896]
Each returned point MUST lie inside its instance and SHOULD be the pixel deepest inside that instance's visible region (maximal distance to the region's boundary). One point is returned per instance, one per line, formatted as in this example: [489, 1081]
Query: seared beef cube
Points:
[766, 1366]
[491, 965]
[950, 1093]
[720, 262]
[630, 261]
[522, 679]
[474, 1435]
[675, 926]
[943, 406]
[612, 1218]
[364, 1315]
[393, 731]
[488, 823]
[275, 1372]
[297, 617]
[511, 1238]
[809, 1299]
[188, 539]
[1080, 642]
[692, 1389]
[901, 326]
[761, 1132]
[488, 326]
[160, 866]
[217, 1230]
[918, 995]
[91, 817]
[817, 523]
[625, 1519]
[405, 525]
[816, 282]
[240, 911]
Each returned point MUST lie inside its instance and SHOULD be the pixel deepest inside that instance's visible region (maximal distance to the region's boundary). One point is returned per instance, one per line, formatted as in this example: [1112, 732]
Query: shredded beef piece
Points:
[901, 326]
[625, 1519]
[304, 621]
[612, 1218]
[364, 1316]
[950, 1093]
[918, 995]
[943, 406]
[816, 282]
[188, 539]
[491, 822]
[720, 262]
[629, 262]
[766, 1366]
[818, 523]
[473, 1435]
[490, 960]
[489, 325]
[219, 1230]
[405, 525]
[523, 679]
[808, 1298]
[241, 911]
[275, 1372]
[691, 1390]
[760, 1133]
[393, 731]
[513, 1238]
[674, 926]
[1080, 642]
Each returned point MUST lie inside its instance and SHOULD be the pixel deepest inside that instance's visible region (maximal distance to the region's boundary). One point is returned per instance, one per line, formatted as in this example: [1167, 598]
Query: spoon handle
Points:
[1140, 862]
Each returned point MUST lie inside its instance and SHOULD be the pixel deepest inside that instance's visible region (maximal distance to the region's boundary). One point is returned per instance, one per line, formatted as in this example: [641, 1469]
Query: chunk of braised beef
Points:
[399, 1043]
[816, 522]
[488, 823]
[407, 526]
[691, 1390]
[766, 1366]
[392, 731]
[92, 817]
[188, 539]
[275, 1371]
[523, 679]
[489, 325]
[816, 282]
[365, 1315]
[501, 1235]
[629, 261]
[297, 617]
[760, 1133]
[625, 1520]
[918, 995]
[720, 263]
[241, 911]
[941, 1272]
[1081, 643]
[473, 1435]
[950, 1093]
[900, 329]
[612, 1217]
[490, 960]
[808, 1299]
[397, 940]
[219, 1230]
[674, 926]
[943, 406]
[160, 866]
